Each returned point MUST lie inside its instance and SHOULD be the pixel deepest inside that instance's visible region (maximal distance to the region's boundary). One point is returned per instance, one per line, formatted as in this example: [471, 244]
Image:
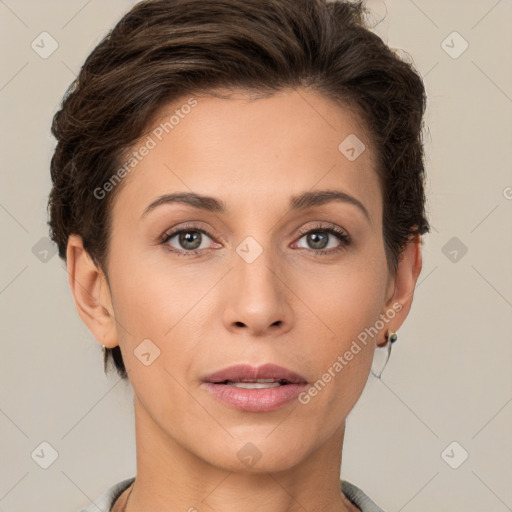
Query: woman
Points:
[238, 192]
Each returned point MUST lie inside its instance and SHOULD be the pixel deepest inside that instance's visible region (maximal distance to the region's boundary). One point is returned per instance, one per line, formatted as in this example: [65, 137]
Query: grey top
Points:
[104, 502]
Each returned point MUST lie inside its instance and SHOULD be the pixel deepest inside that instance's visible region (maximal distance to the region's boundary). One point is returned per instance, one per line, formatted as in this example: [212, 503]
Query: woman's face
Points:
[246, 284]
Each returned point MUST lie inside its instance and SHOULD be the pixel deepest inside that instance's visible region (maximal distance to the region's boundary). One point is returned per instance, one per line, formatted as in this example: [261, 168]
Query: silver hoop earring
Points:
[378, 366]
[104, 350]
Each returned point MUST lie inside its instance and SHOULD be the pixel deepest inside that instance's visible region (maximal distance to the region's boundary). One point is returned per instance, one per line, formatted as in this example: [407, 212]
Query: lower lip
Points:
[256, 400]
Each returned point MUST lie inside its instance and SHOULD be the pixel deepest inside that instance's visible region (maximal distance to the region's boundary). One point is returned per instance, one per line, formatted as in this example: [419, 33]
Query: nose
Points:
[258, 299]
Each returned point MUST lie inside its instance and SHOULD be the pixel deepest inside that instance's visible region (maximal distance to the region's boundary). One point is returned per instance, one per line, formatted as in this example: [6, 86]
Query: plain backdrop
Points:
[433, 434]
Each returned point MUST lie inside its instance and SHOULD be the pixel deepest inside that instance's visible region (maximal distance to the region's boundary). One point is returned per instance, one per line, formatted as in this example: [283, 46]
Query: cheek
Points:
[152, 296]
[155, 314]
[347, 297]
[345, 303]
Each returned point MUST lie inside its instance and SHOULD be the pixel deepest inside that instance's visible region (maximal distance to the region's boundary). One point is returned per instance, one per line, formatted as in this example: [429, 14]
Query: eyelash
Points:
[331, 229]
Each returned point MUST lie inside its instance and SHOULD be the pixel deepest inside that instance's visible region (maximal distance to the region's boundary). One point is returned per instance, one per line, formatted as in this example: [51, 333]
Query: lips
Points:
[255, 389]
[265, 374]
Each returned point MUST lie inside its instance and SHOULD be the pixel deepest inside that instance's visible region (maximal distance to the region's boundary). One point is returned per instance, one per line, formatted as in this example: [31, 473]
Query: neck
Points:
[172, 478]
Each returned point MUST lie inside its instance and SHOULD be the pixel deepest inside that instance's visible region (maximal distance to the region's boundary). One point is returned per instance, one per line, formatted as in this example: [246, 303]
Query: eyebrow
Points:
[299, 202]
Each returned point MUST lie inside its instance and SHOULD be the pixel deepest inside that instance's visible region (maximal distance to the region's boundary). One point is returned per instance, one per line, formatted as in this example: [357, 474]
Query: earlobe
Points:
[91, 293]
[404, 283]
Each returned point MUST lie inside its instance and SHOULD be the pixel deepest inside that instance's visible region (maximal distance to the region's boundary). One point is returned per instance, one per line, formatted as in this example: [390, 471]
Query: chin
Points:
[259, 454]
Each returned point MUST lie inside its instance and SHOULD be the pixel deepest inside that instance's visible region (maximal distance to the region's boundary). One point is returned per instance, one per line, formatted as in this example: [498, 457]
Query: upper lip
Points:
[247, 372]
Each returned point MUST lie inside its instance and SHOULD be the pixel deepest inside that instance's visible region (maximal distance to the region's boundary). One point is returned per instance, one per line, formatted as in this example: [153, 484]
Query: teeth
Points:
[258, 384]
[259, 380]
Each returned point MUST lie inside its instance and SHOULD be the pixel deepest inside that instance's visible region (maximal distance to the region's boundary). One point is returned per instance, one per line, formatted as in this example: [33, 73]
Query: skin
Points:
[212, 310]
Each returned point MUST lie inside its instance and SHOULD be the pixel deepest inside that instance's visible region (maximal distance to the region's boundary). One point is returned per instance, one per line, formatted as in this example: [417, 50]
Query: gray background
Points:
[449, 378]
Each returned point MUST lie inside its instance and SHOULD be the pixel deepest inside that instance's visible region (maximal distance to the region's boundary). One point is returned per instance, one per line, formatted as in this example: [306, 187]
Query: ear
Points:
[402, 284]
[91, 293]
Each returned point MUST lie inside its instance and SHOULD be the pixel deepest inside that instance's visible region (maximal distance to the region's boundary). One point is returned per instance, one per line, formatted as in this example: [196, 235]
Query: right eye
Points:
[189, 240]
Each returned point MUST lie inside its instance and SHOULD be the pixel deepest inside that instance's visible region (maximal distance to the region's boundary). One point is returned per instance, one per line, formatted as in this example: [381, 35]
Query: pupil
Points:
[313, 240]
[190, 237]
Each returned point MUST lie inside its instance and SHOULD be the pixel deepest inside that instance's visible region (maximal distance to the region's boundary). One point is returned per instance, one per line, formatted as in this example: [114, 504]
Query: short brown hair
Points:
[163, 49]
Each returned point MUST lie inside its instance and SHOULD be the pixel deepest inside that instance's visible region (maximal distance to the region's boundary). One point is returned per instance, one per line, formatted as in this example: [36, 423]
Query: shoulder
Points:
[106, 499]
[358, 497]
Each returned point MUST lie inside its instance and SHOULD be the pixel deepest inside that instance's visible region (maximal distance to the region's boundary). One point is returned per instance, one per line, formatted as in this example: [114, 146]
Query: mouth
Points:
[257, 389]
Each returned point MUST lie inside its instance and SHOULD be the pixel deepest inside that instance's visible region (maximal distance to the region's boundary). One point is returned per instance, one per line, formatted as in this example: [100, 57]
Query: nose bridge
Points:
[257, 267]
[258, 297]
[255, 256]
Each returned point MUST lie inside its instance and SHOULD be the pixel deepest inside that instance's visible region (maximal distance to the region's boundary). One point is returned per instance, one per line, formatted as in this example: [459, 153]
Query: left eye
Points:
[188, 239]
[320, 239]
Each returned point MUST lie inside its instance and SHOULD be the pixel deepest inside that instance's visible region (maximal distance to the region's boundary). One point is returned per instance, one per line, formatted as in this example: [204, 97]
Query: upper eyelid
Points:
[328, 227]
[301, 231]
[174, 231]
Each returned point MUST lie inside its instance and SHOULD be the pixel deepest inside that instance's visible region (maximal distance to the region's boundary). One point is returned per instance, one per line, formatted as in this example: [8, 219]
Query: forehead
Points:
[250, 150]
